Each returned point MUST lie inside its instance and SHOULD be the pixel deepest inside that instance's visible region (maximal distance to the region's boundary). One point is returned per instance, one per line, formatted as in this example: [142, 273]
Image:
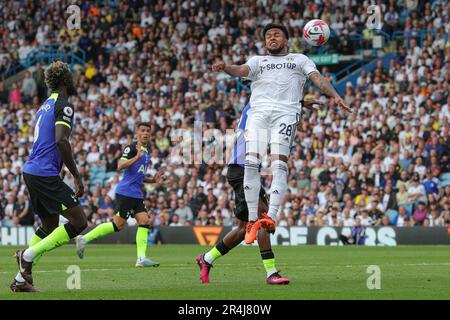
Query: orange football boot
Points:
[251, 229]
[267, 223]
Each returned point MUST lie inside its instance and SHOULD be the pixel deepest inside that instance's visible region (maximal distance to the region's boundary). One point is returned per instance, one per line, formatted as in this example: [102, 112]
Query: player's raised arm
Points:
[325, 87]
[62, 133]
[233, 70]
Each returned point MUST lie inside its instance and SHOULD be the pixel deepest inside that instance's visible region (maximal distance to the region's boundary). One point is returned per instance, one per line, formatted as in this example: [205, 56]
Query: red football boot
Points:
[276, 278]
[204, 268]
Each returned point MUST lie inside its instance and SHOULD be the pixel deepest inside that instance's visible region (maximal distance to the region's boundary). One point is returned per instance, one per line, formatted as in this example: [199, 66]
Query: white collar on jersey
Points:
[279, 55]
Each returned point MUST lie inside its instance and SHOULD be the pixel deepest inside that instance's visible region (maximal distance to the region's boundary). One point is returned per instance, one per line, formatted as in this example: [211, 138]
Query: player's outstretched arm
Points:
[233, 70]
[62, 133]
[325, 87]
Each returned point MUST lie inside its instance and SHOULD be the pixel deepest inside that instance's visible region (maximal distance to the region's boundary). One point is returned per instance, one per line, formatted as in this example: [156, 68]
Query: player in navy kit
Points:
[50, 196]
[129, 198]
[235, 177]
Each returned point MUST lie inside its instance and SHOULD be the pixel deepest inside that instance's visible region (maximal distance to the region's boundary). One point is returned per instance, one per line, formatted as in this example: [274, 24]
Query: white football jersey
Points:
[279, 80]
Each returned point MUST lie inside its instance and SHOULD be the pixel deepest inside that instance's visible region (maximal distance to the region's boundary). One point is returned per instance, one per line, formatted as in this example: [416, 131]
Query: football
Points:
[316, 32]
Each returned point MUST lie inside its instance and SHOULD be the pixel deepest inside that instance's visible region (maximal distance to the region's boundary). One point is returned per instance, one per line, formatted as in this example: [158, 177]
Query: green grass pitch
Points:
[108, 272]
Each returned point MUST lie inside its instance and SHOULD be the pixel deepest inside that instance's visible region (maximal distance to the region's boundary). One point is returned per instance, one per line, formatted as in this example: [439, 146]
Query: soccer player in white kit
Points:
[277, 89]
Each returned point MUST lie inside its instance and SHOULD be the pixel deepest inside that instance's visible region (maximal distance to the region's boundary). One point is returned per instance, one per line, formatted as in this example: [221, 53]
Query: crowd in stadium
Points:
[385, 163]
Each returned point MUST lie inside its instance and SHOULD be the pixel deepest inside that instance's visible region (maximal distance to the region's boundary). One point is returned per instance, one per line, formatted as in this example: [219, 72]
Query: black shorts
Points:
[235, 177]
[49, 195]
[128, 207]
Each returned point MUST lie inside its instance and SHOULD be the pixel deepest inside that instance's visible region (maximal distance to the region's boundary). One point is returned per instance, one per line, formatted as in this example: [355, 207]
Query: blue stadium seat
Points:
[101, 169]
[100, 176]
[445, 183]
[393, 215]
[408, 206]
[94, 169]
[97, 180]
[110, 174]
[444, 176]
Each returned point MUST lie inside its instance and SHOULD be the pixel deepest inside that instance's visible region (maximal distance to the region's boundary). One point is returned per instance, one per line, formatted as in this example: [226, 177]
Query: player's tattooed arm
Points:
[233, 70]
[323, 84]
[325, 87]
[62, 133]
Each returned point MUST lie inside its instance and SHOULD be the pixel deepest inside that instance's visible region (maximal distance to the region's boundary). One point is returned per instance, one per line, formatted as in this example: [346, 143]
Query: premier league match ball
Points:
[316, 32]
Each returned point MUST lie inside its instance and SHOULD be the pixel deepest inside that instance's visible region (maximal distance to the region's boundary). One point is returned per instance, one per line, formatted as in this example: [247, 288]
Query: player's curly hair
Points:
[58, 74]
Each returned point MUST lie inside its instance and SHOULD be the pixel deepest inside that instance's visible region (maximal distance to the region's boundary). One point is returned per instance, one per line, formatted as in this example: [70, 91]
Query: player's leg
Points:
[233, 238]
[235, 177]
[237, 235]
[99, 231]
[282, 136]
[124, 207]
[279, 169]
[142, 239]
[49, 223]
[268, 259]
[256, 136]
[265, 247]
[59, 236]
[57, 198]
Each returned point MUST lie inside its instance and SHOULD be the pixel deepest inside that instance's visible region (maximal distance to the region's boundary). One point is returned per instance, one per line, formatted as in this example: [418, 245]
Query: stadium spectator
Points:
[403, 217]
[183, 212]
[420, 214]
[357, 235]
[9, 212]
[416, 192]
[29, 87]
[175, 221]
[23, 215]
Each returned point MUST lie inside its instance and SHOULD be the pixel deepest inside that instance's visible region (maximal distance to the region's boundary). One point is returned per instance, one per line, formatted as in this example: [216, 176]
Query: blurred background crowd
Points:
[387, 163]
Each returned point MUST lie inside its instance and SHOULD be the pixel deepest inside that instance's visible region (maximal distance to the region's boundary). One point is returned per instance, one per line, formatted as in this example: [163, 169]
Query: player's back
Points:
[45, 159]
[279, 80]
